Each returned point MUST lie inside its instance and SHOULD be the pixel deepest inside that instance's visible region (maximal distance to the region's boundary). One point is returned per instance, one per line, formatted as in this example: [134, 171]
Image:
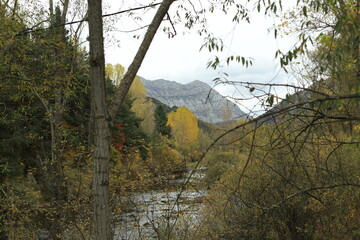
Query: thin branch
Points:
[311, 190]
[32, 30]
[172, 24]
[277, 85]
[133, 30]
[255, 120]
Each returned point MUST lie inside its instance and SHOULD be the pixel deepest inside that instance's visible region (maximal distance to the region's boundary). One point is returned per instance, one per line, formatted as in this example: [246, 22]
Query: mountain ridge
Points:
[205, 102]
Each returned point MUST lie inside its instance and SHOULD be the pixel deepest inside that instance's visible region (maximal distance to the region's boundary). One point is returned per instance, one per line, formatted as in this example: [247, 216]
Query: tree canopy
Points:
[184, 126]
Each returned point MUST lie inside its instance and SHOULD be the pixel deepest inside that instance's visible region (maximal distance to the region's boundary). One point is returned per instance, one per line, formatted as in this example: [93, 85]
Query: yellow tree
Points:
[114, 72]
[184, 126]
[142, 106]
[137, 89]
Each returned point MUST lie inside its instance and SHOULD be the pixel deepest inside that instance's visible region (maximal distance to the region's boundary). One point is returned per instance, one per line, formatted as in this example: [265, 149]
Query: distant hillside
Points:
[195, 96]
[291, 99]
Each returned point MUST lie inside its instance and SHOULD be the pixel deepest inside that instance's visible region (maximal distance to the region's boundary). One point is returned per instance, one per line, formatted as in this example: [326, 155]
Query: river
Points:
[158, 214]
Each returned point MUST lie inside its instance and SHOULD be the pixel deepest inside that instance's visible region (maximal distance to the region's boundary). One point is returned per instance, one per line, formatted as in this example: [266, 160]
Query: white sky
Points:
[179, 59]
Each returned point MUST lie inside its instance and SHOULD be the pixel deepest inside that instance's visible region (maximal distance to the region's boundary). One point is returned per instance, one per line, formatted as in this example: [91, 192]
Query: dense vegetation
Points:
[294, 172]
[291, 173]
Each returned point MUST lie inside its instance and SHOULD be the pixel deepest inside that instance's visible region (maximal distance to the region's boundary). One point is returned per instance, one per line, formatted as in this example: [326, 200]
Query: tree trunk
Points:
[139, 57]
[51, 10]
[102, 217]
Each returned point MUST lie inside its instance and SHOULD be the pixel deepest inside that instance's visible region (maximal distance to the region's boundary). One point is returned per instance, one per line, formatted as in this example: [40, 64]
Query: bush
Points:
[314, 194]
[217, 163]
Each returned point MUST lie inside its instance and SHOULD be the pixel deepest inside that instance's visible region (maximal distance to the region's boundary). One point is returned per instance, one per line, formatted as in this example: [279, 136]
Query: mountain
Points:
[206, 103]
[291, 99]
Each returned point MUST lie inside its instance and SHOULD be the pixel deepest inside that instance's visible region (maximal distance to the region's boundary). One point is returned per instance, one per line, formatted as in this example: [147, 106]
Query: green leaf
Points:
[305, 11]
[270, 100]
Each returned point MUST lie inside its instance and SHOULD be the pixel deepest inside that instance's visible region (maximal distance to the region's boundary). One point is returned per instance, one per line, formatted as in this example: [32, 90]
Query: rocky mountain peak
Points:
[206, 103]
[196, 83]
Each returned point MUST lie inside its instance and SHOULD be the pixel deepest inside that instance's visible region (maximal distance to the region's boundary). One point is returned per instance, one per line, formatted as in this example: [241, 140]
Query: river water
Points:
[153, 215]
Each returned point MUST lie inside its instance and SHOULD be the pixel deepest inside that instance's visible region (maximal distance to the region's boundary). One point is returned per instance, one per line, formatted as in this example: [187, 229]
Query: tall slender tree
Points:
[100, 117]
[101, 114]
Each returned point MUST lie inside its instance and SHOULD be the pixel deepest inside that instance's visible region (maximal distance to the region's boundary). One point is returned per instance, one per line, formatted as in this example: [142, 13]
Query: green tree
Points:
[161, 122]
[127, 132]
[44, 98]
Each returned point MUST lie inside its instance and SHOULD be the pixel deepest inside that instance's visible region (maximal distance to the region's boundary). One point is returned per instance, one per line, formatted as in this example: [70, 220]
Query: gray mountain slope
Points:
[195, 96]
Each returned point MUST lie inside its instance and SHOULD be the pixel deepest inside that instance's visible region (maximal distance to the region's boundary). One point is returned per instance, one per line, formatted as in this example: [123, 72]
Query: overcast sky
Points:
[180, 59]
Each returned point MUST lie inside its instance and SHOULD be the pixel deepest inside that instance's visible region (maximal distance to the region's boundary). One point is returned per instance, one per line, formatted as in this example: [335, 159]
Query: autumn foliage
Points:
[184, 126]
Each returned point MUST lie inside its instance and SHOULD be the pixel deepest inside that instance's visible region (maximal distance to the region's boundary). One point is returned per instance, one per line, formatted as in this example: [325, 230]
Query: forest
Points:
[80, 141]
